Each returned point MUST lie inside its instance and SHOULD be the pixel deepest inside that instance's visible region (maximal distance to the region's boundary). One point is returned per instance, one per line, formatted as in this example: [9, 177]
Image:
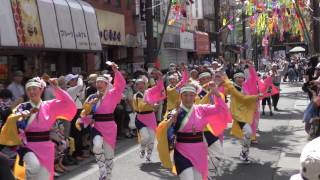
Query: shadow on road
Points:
[156, 170]
[258, 171]
[284, 115]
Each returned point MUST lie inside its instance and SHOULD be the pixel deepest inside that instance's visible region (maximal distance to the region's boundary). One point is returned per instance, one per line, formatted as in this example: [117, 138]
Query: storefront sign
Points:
[49, 24]
[54, 24]
[65, 24]
[111, 27]
[92, 26]
[79, 25]
[202, 43]
[186, 40]
[27, 22]
[8, 36]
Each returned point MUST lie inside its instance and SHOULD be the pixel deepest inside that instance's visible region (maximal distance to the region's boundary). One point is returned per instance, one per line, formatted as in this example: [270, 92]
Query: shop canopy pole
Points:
[164, 28]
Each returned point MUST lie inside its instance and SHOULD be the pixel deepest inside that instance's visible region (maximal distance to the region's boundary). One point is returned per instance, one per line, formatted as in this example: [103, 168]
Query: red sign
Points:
[202, 42]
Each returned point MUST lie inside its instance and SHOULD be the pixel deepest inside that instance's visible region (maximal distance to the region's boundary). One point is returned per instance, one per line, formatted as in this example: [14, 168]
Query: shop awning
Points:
[49, 24]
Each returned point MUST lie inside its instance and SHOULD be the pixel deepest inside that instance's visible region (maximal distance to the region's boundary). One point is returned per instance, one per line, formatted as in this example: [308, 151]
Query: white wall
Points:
[197, 9]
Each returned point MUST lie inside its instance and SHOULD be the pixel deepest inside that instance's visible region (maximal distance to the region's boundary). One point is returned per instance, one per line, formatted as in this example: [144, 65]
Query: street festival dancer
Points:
[98, 112]
[215, 150]
[242, 108]
[189, 121]
[144, 103]
[29, 125]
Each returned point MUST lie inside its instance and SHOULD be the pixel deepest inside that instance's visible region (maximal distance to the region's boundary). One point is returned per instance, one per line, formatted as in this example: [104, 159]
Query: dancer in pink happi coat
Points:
[191, 152]
[98, 112]
[29, 126]
[144, 103]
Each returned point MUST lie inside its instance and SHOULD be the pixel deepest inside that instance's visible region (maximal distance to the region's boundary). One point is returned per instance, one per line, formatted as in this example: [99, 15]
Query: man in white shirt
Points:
[76, 90]
[16, 86]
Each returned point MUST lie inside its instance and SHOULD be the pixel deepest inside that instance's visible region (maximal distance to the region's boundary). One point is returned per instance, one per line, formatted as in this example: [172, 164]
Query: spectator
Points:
[61, 146]
[128, 97]
[91, 89]
[48, 91]
[6, 105]
[16, 86]
[309, 161]
[276, 80]
[267, 100]
[76, 90]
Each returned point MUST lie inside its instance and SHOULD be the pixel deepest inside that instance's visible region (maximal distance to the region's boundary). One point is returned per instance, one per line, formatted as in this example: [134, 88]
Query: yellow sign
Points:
[27, 22]
[111, 27]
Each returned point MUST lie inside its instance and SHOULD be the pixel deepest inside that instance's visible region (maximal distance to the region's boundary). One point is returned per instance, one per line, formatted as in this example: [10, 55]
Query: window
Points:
[118, 3]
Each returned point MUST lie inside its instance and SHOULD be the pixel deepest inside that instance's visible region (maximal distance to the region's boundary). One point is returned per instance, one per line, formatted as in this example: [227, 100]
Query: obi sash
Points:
[189, 137]
[103, 117]
[38, 136]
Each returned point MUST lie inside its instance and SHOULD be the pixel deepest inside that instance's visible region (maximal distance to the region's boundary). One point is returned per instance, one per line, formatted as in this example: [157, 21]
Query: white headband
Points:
[204, 74]
[239, 74]
[36, 82]
[188, 88]
[105, 78]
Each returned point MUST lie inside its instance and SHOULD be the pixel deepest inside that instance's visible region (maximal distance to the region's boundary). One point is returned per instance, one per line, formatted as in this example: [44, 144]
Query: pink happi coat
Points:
[217, 116]
[63, 107]
[152, 96]
[155, 94]
[255, 86]
[107, 106]
[184, 80]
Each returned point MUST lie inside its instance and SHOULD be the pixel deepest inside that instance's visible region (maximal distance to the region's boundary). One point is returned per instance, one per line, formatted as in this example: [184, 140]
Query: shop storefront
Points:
[187, 45]
[46, 36]
[171, 51]
[202, 44]
[112, 34]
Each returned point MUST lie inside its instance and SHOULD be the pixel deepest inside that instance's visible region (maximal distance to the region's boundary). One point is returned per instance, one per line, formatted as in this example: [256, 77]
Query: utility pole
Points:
[315, 24]
[149, 31]
[217, 25]
[165, 24]
[244, 40]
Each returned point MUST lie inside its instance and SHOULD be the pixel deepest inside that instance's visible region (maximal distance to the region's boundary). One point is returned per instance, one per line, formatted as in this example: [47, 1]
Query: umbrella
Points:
[297, 49]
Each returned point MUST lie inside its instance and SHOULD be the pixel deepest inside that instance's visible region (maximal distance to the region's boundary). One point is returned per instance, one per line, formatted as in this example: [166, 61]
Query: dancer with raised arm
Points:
[29, 126]
[98, 112]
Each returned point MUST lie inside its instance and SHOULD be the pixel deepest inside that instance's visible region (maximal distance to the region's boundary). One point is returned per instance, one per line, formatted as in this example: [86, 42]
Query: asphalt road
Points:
[276, 156]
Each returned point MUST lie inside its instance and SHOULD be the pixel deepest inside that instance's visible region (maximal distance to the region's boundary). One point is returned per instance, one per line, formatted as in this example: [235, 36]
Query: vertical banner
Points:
[79, 25]
[92, 26]
[49, 24]
[8, 36]
[27, 22]
[65, 24]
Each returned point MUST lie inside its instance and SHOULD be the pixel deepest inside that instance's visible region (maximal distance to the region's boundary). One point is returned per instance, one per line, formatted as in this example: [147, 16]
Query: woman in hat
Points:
[188, 121]
[98, 112]
[29, 126]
